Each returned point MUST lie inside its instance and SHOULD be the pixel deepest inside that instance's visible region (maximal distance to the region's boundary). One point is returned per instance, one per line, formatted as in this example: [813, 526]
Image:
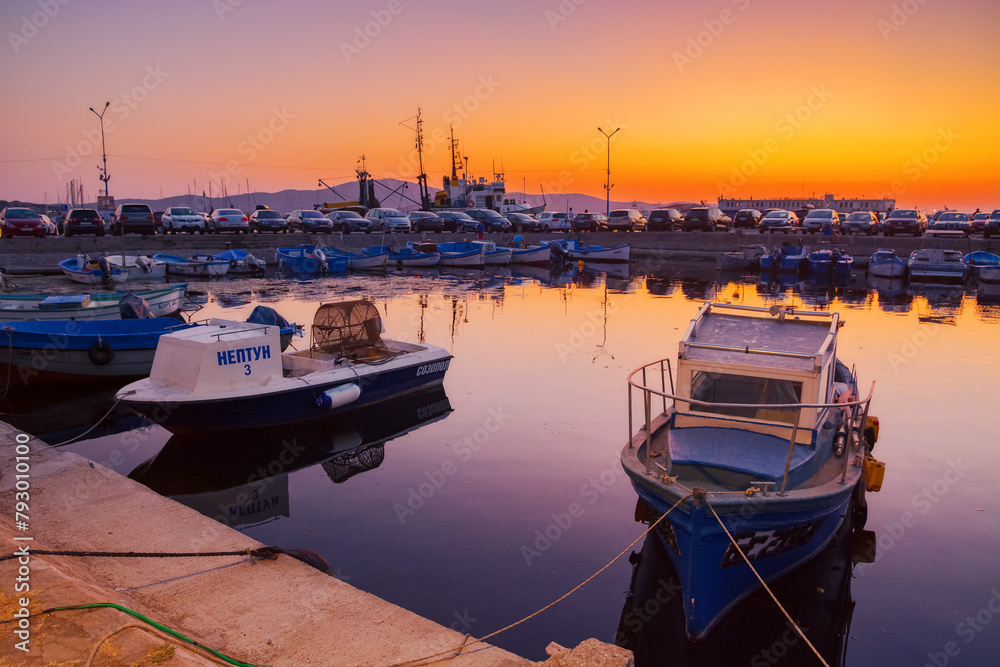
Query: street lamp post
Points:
[608, 185]
[104, 172]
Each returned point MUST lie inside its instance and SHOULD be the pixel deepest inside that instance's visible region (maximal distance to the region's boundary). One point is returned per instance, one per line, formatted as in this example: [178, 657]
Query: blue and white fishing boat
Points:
[139, 267]
[231, 376]
[522, 254]
[98, 306]
[761, 450]
[408, 257]
[786, 258]
[884, 263]
[308, 259]
[937, 265]
[572, 250]
[829, 261]
[747, 257]
[369, 259]
[984, 265]
[98, 271]
[240, 261]
[56, 351]
[204, 267]
[459, 253]
[494, 255]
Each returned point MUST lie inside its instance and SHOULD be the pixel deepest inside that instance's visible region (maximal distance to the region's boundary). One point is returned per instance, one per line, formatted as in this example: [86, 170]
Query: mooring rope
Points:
[453, 652]
[747, 560]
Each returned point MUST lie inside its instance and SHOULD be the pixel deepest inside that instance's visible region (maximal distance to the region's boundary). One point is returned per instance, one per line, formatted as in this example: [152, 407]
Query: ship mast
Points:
[425, 197]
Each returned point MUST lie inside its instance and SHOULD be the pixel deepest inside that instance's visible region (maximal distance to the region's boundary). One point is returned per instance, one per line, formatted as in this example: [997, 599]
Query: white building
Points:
[731, 205]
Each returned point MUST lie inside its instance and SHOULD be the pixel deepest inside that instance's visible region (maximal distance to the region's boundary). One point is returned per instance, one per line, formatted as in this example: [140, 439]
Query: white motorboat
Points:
[937, 264]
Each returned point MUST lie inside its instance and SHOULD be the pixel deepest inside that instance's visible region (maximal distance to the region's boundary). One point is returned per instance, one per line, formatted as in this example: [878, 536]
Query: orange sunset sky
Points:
[737, 97]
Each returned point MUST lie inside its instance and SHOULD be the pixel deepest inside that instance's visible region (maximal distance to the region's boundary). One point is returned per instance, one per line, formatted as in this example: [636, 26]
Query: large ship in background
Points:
[730, 205]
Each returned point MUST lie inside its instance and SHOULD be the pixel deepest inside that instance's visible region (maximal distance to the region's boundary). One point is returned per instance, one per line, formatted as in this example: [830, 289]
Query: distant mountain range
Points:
[393, 193]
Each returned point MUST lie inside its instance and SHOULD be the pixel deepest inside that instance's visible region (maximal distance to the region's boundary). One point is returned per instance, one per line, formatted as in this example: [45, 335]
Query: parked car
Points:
[455, 220]
[978, 222]
[425, 221]
[493, 221]
[83, 221]
[50, 227]
[779, 220]
[746, 218]
[388, 220]
[706, 218]
[228, 220]
[309, 221]
[590, 222]
[349, 221]
[265, 220]
[133, 218]
[905, 221]
[553, 221]
[522, 222]
[664, 220]
[950, 223]
[860, 222]
[819, 219]
[182, 219]
[158, 221]
[992, 227]
[626, 219]
[20, 221]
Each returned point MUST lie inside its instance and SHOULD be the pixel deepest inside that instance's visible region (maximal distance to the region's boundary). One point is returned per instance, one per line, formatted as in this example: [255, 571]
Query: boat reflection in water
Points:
[57, 413]
[244, 482]
[817, 596]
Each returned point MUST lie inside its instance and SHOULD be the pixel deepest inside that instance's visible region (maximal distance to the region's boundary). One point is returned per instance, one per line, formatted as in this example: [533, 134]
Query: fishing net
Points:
[350, 329]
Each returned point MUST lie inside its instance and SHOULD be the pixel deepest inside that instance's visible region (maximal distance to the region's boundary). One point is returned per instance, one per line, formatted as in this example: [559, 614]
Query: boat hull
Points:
[20, 307]
[540, 255]
[472, 259]
[778, 533]
[573, 252]
[895, 268]
[286, 402]
[415, 259]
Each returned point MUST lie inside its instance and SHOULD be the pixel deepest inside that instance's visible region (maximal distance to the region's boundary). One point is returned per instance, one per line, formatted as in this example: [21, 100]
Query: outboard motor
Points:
[145, 264]
[105, 266]
[134, 307]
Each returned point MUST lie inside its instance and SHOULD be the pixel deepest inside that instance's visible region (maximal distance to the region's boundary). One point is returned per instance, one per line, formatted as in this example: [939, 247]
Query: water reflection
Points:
[816, 595]
[244, 482]
[57, 413]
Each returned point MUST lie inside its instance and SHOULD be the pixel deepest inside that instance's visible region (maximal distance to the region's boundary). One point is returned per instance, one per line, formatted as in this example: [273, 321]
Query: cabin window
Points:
[746, 389]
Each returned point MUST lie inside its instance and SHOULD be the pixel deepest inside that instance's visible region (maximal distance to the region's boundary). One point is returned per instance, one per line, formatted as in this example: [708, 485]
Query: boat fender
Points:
[338, 396]
[101, 353]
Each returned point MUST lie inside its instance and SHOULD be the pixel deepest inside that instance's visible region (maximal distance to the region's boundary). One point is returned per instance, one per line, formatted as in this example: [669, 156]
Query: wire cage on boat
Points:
[350, 329]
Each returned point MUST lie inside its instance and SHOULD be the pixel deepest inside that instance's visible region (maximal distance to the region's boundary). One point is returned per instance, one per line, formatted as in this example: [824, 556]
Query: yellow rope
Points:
[433, 659]
[747, 560]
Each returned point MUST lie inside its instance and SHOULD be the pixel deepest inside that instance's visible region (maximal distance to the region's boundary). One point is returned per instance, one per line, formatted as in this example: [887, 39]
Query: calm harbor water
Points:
[480, 503]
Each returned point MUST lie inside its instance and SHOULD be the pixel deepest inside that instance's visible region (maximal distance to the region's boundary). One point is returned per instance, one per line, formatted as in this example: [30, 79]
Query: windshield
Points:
[780, 215]
[348, 214]
[393, 213]
[909, 214]
[462, 216]
[821, 214]
[954, 217]
[859, 217]
[182, 211]
[312, 214]
[228, 211]
[268, 214]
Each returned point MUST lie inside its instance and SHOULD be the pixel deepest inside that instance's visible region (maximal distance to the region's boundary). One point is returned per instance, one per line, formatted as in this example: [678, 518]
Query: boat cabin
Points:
[739, 357]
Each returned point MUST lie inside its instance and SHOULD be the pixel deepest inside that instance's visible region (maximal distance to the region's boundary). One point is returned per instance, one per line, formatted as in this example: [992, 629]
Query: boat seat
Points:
[759, 455]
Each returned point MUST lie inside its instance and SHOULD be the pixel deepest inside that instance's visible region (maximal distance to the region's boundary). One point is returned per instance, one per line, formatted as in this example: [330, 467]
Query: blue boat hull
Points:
[713, 575]
[296, 404]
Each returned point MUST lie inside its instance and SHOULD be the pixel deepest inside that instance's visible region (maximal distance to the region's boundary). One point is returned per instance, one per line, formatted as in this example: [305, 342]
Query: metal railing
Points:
[852, 423]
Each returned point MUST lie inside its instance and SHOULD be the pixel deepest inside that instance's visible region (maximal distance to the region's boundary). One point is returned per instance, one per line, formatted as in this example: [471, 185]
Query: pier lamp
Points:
[608, 185]
[104, 172]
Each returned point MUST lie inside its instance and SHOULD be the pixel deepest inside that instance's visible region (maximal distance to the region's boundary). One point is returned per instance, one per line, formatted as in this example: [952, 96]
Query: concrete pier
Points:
[266, 612]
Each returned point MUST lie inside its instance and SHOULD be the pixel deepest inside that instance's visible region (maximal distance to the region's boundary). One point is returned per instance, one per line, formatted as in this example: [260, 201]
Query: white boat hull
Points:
[161, 302]
[531, 255]
[368, 263]
[473, 260]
